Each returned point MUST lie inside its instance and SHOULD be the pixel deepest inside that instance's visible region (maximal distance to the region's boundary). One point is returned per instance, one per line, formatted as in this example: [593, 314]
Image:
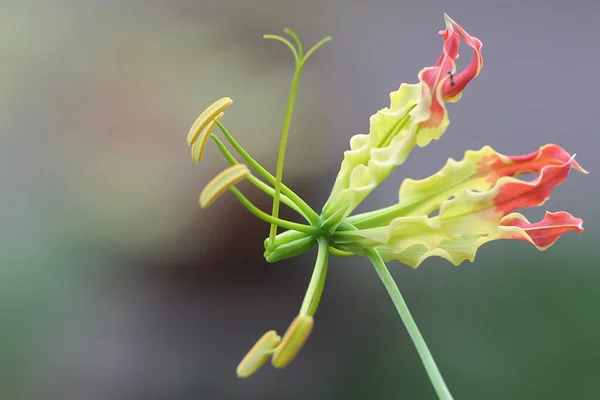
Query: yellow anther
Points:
[292, 341]
[200, 143]
[222, 182]
[258, 354]
[206, 117]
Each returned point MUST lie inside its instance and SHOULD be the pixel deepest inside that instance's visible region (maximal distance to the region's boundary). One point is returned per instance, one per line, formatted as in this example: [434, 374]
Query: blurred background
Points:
[115, 284]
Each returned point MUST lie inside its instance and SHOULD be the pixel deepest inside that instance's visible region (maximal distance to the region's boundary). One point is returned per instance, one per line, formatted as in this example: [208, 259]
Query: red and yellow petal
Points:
[502, 165]
[458, 249]
[452, 92]
[416, 116]
[544, 233]
[475, 198]
[440, 85]
[478, 171]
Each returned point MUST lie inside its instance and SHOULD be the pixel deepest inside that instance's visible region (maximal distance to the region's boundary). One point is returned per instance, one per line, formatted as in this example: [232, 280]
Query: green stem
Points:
[255, 181]
[282, 145]
[294, 36]
[317, 281]
[340, 253]
[310, 214]
[283, 40]
[430, 366]
[309, 229]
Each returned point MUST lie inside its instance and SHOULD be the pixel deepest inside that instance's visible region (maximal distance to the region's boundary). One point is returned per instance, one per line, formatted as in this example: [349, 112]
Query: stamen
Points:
[207, 115]
[258, 354]
[292, 341]
[220, 183]
[200, 143]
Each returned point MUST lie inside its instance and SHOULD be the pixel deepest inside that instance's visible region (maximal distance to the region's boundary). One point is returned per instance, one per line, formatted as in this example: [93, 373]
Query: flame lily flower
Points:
[449, 214]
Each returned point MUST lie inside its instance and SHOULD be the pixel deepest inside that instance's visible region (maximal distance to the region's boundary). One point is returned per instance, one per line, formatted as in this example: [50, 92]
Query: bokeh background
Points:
[114, 283]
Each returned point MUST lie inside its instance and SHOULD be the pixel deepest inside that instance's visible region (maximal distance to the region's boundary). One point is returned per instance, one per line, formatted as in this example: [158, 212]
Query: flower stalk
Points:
[431, 367]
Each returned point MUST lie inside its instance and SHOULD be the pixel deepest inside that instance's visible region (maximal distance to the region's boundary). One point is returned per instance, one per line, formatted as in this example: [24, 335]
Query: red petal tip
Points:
[577, 166]
[544, 233]
[519, 194]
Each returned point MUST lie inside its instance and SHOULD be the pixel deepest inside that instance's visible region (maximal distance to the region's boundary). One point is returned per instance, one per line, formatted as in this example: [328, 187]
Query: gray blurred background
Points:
[115, 284]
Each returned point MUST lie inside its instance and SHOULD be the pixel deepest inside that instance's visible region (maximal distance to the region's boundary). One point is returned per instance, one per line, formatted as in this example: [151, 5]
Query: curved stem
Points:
[311, 215]
[294, 35]
[311, 230]
[430, 366]
[283, 40]
[255, 181]
[315, 47]
[317, 281]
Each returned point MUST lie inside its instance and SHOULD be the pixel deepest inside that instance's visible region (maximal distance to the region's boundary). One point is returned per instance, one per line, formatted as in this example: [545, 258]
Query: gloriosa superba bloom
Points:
[450, 214]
